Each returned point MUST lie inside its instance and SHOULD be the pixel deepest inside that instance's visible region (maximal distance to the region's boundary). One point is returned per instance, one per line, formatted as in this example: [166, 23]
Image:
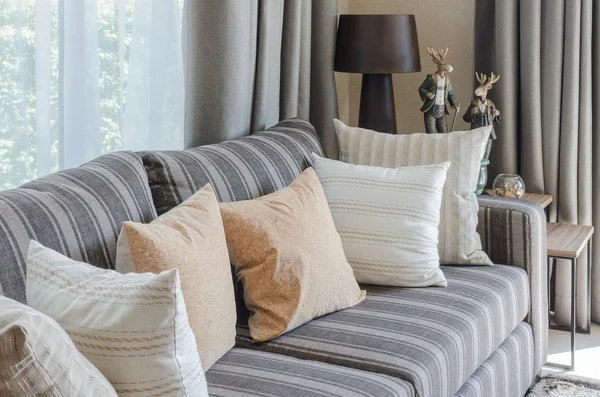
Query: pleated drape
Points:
[546, 53]
[252, 63]
[595, 148]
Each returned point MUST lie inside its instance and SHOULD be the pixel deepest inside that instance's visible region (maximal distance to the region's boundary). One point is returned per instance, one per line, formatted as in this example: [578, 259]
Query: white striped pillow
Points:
[460, 243]
[387, 219]
[133, 327]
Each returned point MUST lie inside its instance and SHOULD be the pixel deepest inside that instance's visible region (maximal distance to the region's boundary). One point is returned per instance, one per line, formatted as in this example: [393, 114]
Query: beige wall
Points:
[440, 24]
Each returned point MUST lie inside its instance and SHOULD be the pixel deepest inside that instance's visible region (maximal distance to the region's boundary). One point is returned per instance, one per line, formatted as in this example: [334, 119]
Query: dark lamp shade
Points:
[377, 44]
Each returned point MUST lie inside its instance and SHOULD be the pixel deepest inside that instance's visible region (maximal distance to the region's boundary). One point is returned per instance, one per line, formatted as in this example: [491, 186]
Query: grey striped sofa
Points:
[483, 335]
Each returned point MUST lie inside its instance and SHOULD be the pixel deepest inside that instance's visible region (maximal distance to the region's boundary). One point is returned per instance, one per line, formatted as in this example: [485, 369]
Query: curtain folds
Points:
[548, 95]
[250, 64]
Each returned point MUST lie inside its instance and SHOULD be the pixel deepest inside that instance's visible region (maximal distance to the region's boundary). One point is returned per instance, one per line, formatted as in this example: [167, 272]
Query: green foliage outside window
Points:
[18, 89]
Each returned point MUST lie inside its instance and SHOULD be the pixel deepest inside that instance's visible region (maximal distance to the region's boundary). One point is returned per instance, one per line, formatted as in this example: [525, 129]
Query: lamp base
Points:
[377, 106]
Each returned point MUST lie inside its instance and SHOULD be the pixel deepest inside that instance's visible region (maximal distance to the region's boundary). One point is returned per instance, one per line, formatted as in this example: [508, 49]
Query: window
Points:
[79, 78]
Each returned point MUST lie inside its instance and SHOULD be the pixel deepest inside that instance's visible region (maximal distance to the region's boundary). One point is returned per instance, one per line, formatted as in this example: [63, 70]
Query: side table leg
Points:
[549, 293]
[573, 327]
[589, 287]
[573, 310]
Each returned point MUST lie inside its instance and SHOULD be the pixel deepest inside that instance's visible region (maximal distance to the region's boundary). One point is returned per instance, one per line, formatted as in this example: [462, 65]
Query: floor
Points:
[587, 355]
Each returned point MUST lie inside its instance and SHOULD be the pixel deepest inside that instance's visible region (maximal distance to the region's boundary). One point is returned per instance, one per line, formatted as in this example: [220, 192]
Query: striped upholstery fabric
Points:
[508, 372]
[435, 338]
[245, 373]
[513, 232]
[77, 212]
[239, 169]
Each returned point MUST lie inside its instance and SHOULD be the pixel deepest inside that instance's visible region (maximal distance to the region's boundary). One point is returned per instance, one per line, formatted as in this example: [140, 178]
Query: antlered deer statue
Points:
[480, 113]
[435, 91]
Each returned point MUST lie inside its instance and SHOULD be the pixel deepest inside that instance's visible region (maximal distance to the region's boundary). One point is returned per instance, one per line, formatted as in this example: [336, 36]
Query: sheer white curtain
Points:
[79, 78]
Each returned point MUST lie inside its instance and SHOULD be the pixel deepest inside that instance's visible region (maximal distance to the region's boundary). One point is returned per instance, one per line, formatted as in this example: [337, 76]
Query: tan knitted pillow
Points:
[289, 256]
[189, 237]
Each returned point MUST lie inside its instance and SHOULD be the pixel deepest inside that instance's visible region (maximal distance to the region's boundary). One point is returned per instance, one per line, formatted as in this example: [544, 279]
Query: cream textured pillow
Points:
[459, 243]
[189, 237]
[290, 259]
[388, 220]
[38, 358]
[133, 327]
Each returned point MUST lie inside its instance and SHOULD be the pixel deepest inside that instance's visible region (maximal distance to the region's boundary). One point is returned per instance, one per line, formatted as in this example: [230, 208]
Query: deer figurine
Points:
[435, 91]
[483, 112]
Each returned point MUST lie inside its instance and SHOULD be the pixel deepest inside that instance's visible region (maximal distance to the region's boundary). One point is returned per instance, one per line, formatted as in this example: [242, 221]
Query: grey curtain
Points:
[548, 55]
[251, 63]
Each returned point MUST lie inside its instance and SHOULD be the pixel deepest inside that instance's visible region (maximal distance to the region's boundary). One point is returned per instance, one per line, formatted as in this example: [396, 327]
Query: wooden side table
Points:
[567, 241]
[541, 198]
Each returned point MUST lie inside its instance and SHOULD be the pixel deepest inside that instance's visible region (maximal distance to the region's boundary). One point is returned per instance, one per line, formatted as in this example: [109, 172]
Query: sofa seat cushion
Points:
[508, 372]
[435, 338]
[244, 373]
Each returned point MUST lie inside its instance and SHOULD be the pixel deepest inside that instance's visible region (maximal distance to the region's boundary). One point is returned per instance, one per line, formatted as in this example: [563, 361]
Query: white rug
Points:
[563, 386]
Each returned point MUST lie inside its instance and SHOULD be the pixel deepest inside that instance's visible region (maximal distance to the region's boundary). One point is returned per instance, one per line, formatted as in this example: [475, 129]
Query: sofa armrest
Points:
[513, 232]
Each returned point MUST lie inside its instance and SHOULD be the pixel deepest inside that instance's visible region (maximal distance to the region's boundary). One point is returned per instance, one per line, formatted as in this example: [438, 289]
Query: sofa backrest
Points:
[77, 212]
[240, 169]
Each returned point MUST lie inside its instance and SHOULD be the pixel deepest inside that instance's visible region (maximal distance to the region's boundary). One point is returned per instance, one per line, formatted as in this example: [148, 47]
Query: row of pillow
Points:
[133, 325]
[290, 249]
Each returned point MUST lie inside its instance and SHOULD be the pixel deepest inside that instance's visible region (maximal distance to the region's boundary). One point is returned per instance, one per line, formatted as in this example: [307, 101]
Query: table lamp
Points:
[377, 46]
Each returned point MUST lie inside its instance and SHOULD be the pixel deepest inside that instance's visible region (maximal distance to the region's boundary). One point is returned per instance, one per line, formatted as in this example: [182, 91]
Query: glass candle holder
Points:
[509, 185]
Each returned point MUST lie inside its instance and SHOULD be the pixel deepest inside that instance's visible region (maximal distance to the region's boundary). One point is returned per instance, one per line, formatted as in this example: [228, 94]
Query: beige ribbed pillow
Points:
[37, 357]
[459, 242]
[289, 256]
[190, 238]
